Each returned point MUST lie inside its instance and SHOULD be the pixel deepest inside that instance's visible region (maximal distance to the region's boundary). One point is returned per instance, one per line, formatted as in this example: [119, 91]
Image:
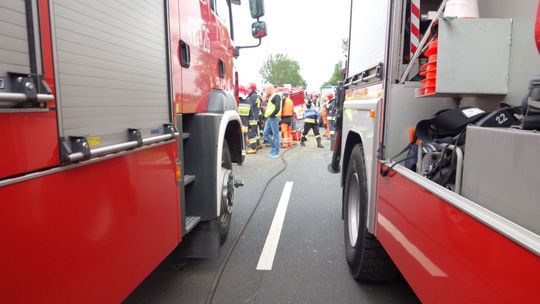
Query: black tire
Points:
[224, 219]
[367, 259]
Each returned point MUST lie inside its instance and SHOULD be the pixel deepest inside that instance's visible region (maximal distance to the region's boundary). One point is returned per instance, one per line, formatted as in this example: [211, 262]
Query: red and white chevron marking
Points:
[415, 25]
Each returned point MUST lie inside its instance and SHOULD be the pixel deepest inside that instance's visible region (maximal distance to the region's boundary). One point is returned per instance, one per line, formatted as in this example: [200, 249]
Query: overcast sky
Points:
[308, 31]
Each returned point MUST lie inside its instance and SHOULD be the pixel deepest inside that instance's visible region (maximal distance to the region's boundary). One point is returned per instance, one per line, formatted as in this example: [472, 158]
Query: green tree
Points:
[279, 69]
[338, 68]
[336, 76]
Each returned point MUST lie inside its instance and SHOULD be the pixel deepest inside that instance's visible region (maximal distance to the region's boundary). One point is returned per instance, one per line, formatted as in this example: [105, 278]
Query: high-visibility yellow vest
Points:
[270, 107]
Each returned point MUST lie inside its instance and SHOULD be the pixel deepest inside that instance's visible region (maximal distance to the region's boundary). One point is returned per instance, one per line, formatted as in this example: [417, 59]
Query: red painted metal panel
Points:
[537, 30]
[448, 256]
[194, 30]
[29, 142]
[89, 234]
[174, 29]
[46, 47]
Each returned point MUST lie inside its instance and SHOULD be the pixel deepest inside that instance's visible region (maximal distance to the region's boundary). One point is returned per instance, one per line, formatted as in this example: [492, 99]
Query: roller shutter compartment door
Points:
[368, 34]
[111, 65]
[14, 48]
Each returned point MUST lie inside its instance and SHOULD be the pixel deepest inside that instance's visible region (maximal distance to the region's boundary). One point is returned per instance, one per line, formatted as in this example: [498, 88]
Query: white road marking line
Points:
[268, 253]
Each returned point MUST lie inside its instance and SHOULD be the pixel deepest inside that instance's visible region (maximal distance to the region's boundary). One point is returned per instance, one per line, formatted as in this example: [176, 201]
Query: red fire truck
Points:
[476, 239]
[119, 129]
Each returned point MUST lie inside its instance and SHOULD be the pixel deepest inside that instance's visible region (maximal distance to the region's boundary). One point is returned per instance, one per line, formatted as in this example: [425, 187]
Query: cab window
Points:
[221, 8]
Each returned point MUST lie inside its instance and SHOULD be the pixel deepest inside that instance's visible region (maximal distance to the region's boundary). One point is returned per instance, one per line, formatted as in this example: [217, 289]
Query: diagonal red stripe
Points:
[415, 10]
[415, 31]
[413, 48]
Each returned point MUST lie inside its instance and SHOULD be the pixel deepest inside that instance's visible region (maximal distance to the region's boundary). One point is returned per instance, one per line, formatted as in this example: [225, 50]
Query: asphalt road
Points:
[309, 265]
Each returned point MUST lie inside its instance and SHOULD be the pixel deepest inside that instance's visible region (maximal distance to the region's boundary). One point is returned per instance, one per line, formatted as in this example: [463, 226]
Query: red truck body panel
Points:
[450, 256]
[32, 138]
[537, 28]
[29, 141]
[209, 42]
[89, 234]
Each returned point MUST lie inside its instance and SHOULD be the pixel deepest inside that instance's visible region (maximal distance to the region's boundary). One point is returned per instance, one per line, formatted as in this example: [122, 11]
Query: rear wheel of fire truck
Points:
[227, 193]
[367, 259]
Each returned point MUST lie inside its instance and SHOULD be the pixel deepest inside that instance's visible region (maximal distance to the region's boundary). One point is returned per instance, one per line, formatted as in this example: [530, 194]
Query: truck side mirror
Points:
[258, 29]
[256, 7]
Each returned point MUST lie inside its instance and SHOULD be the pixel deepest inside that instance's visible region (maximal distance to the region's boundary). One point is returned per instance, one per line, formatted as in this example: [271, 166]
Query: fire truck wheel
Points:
[227, 193]
[367, 259]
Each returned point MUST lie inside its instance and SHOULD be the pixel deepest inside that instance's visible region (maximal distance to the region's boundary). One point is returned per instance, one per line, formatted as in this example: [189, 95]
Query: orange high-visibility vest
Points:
[288, 108]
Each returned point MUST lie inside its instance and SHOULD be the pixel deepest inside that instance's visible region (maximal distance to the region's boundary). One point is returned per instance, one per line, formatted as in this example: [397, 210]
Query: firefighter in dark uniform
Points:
[310, 122]
[331, 110]
[244, 109]
[254, 101]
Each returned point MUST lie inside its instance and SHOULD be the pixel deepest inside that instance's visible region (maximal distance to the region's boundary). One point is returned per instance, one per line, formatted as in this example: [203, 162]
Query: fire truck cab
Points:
[119, 129]
[477, 240]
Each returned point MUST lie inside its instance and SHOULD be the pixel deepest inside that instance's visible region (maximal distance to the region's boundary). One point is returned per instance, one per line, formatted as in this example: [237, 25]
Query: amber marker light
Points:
[178, 172]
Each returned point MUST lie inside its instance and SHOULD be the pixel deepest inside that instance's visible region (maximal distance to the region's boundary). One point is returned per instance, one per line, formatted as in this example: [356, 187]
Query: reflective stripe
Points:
[243, 109]
[244, 129]
[252, 141]
[253, 122]
[309, 120]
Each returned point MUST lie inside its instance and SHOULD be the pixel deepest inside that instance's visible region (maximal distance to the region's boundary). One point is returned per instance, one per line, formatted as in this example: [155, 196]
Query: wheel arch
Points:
[353, 138]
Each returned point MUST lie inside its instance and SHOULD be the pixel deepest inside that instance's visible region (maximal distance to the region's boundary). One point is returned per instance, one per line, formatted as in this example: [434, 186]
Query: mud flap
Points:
[202, 242]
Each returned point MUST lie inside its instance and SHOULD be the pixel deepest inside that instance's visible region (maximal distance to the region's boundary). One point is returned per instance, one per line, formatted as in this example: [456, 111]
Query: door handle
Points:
[221, 68]
[185, 54]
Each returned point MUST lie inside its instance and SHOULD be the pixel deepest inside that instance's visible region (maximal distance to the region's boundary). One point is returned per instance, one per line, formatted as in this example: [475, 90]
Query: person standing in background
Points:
[286, 121]
[244, 109]
[272, 115]
[324, 120]
[310, 122]
[254, 101]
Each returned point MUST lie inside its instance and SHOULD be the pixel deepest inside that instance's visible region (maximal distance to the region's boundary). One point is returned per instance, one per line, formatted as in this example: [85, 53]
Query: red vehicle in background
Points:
[297, 96]
[119, 129]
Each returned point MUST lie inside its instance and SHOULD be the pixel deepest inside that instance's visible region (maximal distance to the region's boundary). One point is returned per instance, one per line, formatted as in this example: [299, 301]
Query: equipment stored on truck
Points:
[458, 216]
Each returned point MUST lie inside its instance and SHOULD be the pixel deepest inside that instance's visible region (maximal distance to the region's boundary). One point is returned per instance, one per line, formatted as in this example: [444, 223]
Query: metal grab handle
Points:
[21, 97]
[73, 157]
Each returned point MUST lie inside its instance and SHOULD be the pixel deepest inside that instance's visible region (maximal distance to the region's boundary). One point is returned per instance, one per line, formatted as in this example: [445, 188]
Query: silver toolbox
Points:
[502, 173]
[473, 56]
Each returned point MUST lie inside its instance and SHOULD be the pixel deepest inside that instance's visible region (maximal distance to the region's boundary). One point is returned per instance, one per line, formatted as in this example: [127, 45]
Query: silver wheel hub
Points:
[227, 190]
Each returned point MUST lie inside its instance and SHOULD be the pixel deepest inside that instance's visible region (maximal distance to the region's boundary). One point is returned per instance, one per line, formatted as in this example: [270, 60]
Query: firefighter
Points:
[327, 100]
[272, 114]
[310, 122]
[331, 110]
[324, 120]
[314, 98]
[287, 113]
[244, 109]
[254, 101]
